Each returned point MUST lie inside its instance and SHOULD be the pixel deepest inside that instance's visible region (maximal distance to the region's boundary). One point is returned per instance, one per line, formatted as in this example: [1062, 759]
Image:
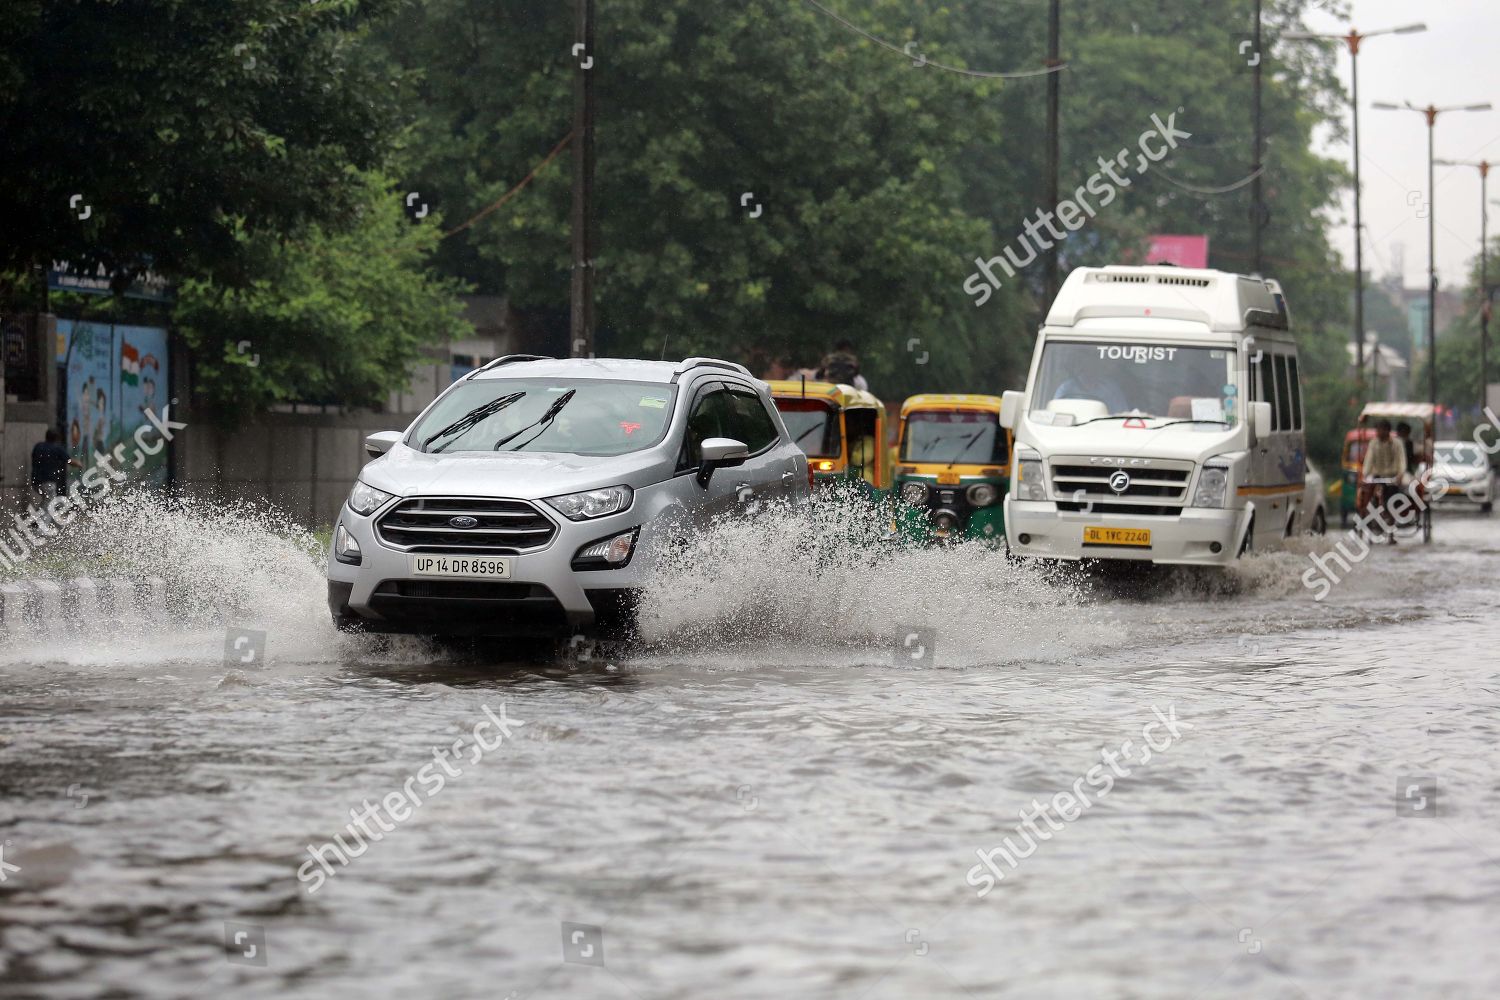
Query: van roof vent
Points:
[1175, 280]
[1122, 279]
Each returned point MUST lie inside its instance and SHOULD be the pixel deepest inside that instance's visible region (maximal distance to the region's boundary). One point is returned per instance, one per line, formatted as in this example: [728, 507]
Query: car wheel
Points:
[1486, 507]
[1319, 522]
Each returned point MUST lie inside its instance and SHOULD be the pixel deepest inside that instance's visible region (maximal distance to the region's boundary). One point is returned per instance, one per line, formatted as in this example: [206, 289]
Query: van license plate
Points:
[1117, 536]
[483, 567]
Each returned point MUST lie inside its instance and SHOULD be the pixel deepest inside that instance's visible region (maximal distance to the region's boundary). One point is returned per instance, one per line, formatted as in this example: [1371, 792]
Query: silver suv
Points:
[527, 500]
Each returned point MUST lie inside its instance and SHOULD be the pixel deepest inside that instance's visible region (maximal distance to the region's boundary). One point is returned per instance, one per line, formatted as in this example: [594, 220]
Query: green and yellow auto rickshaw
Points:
[952, 469]
[841, 429]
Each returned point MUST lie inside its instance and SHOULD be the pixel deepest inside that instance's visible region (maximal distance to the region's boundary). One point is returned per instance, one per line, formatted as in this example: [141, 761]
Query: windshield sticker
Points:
[1230, 390]
[1207, 408]
[1139, 354]
[653, 402]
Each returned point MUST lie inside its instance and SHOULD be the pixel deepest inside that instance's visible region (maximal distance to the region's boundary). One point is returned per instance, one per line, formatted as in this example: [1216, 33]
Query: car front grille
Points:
[425, 524]
[1162, 485]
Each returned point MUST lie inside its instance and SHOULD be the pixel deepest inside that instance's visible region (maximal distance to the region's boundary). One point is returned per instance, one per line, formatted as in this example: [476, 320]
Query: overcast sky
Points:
[1454, 62]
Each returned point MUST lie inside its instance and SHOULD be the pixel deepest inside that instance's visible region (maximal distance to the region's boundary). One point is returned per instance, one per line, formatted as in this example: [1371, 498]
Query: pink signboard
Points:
[1184, 251]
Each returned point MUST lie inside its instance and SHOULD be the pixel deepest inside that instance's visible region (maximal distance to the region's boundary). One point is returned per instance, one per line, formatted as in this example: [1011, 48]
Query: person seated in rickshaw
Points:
[862, 458]
[1384, 466]
[1403, 434]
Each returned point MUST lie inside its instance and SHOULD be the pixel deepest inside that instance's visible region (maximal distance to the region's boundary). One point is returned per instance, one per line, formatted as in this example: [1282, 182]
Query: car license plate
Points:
[947, 478]
[485, 567]
[1117, 536]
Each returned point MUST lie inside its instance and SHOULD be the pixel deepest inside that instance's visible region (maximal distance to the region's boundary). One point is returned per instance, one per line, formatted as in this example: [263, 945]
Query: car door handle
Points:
[787, 477]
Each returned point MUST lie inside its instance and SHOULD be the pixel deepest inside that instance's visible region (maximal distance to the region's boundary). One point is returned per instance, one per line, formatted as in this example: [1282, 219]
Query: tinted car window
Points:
[752, 424]
[712, 416]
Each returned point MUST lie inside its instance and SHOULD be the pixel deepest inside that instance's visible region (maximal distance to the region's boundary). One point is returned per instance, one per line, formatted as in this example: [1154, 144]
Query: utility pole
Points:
[1054, 152]
[1353, 40]
[581, 320]
[1258, 206]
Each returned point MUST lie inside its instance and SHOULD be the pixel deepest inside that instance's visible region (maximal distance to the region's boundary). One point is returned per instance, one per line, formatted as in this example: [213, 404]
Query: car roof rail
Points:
[509, 359]
[688, 364]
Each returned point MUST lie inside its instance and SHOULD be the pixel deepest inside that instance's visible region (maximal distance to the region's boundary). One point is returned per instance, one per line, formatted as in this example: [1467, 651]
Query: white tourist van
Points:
[1162, 421]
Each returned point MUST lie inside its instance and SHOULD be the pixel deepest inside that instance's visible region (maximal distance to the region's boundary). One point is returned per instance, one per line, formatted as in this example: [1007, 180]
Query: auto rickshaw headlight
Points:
[914, 493]
[1213, 487]
[983, 494]
[1029, 483]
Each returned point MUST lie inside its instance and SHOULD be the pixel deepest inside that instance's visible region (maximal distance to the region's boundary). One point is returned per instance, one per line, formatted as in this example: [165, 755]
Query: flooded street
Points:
[786, 803]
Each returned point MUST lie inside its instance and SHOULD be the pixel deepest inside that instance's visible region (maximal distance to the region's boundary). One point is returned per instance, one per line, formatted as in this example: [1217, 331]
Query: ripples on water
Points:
[761, 802]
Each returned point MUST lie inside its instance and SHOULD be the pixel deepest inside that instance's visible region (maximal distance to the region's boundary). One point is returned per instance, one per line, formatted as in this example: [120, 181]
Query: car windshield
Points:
[813, 425]
[1460, 454]
[563, 416]
[968, 436]
[1139, 380]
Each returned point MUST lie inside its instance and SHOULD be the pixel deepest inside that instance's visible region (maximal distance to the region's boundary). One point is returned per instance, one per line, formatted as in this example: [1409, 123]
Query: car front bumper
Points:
[544, 595]
[1195, 537]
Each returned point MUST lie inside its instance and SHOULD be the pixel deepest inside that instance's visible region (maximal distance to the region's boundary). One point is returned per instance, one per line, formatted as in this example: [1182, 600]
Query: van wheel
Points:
[1320, 523]
[1486, 508]
[1246, 547]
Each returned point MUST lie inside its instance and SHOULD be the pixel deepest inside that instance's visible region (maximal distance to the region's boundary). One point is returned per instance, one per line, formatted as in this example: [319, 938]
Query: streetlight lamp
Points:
[1484, 278]
[1431, 112]
[1352, 40]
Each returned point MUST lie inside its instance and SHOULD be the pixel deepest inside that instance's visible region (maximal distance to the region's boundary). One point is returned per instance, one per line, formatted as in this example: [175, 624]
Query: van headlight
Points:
[365, 500]
[592, 503]
[1029, 482]
[1213, 486]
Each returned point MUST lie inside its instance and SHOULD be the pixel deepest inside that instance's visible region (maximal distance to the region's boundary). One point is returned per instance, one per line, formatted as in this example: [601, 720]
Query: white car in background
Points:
[1466, 469]
[1315, 502]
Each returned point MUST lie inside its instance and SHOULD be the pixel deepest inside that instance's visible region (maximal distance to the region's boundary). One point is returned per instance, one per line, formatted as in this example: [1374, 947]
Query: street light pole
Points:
[1352, 40]
[1054, 140]
[1258, 205]
[1431, 112]
[1484, 279]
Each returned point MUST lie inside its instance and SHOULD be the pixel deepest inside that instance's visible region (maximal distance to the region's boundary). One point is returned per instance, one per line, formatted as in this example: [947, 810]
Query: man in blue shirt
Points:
[49, 466]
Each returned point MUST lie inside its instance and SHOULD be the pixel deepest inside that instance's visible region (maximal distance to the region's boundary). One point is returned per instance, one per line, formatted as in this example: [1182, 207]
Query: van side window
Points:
[751, 423]
[712, 417]
[1283, 395]
[1294, 382]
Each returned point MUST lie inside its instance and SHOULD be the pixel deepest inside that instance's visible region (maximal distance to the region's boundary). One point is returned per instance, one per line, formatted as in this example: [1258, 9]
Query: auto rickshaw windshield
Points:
[968, 436]
[813, 426]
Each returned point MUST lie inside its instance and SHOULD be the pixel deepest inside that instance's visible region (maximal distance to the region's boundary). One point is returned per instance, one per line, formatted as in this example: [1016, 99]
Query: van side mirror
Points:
[1260, 419]
[380, 442]
[1010, 407]
[721, 453]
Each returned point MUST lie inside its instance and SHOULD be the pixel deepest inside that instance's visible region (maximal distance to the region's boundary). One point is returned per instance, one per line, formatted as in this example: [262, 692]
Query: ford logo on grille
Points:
[463, 521]
[1119, 481]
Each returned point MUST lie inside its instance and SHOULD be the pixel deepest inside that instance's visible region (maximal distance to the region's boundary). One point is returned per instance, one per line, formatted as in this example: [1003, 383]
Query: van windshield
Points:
[1091, 381]
[561, 416]
[1460, 454]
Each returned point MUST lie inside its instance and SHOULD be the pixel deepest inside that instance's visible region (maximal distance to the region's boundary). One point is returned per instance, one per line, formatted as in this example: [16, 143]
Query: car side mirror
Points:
[380, 442]
[1010, 407]
[721, 453]
[1260, 419]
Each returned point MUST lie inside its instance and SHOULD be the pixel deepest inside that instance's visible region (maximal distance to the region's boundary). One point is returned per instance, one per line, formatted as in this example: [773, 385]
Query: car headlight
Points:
[914, 493]
[1029, 482]
[983, 494]
[592, 503]
[1213, 486]
[365, 500]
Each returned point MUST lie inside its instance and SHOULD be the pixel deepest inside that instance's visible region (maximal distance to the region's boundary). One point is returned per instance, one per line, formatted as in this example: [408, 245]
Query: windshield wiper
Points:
[473, 417]
[543, 421]
[969, 441]
[1194, 420]
[814, 427]
[1117, 416]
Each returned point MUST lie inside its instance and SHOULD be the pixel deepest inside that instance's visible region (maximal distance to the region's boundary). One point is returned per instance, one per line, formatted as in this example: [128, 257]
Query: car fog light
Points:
[946, 520]
[1024, 538]
[345, 548]
[607, 553]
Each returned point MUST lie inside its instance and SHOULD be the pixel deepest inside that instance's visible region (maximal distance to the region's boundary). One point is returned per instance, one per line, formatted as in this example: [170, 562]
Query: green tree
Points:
[181, 126]
[338, 316]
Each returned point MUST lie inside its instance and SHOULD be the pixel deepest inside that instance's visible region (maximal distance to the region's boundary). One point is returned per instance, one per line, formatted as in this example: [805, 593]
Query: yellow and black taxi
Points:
[952, 468]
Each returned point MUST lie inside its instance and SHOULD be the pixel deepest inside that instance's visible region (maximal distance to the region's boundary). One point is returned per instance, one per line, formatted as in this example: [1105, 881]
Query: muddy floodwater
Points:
[786, 794]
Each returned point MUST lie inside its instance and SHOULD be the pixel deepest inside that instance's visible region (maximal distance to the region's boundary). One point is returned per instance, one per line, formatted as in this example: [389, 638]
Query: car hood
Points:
[523, 475]
[1187, 442]
[1451, 472]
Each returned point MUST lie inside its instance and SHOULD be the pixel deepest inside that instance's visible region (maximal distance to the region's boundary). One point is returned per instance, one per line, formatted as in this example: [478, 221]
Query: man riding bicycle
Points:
[1384, 466]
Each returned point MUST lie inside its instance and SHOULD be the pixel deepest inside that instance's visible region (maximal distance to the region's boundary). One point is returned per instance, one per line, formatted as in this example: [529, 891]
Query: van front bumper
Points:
[1196, 537]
